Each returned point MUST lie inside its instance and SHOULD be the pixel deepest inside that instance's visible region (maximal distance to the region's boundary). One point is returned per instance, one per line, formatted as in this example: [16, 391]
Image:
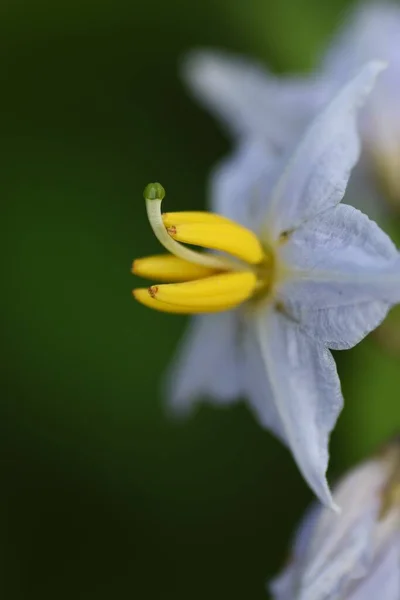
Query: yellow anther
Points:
[142, 296]
[226, 237]
[154, 194]
[170, 268]
[213, 294]
[240, 285]
[194, 216]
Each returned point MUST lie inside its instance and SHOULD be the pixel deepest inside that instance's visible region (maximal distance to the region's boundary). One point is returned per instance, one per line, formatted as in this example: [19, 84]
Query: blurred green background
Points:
[103, 496]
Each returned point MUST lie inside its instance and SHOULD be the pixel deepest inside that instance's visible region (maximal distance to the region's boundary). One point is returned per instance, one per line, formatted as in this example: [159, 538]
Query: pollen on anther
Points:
[153, 290]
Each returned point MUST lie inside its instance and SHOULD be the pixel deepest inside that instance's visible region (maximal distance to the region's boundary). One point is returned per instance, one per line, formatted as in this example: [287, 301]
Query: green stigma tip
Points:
[154, 191]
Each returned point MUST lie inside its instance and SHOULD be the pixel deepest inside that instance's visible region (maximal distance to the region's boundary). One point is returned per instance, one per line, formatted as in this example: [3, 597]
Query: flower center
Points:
[238, 269]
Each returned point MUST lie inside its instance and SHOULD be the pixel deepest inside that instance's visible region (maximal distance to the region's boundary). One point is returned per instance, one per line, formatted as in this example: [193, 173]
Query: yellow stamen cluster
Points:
[200, 282]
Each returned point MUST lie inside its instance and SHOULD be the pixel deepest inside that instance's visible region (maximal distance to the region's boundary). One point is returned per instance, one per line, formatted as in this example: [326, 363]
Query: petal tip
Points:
[194, 64]
[379, 65]
[177, 408]
[327, 500]
[335, 508]
[370, 72]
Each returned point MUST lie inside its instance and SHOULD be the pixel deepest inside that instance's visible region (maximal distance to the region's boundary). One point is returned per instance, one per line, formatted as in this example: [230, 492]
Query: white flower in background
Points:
[373, 31]
[252, 102]
[299, 275]
[354, 556]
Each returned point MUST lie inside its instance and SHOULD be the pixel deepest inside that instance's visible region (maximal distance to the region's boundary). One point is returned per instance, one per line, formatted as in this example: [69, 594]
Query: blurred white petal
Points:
[354, 555]
[206, 366]
[316, 175]
[248, 99]
[241, 184]
[370, 32]
[341, 545]
[284, 586]
[383, 581]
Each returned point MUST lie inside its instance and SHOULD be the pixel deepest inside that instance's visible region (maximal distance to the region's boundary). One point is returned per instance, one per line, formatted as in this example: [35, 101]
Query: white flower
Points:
[315, 274]
[373, 31]
[252, 102]
[354, 556]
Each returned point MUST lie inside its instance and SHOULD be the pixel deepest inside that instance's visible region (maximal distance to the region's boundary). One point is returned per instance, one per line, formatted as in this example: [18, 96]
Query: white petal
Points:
[341, 549]
[316, 175]
[285, 585]
[207, 363]
[241, 184]
[370, 32]
[333, 553]
[248, 99]
[306, 392]
[383, 579]
[349, 276]
[256, 385]
[340, 327]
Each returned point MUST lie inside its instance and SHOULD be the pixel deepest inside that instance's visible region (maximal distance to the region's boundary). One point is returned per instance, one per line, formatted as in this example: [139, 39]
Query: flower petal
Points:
[284, 586]
[306, 393]
[342, 546]
[370, 32]
[240, 185]
[316, 175]
[332, 553]
[256, 385]
[383, 581]
[248, 99]
[348, 276]
[206, 364]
